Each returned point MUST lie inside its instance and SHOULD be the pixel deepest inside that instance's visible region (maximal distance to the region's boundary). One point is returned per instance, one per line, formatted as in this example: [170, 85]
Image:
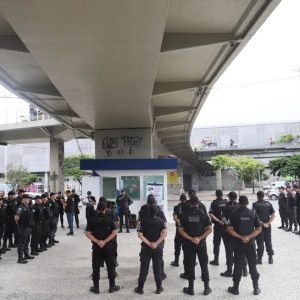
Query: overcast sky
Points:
[261, 85]
[243, 93]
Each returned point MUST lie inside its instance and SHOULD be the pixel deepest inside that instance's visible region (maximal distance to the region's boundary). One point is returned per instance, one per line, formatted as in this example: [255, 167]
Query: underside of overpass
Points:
[97, 65]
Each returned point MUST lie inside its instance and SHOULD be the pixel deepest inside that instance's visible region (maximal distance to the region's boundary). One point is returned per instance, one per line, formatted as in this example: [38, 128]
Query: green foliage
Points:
[15, 175]
[28, 179]
[242, 167]
[286, 166]
[72, 166]
[286, 139]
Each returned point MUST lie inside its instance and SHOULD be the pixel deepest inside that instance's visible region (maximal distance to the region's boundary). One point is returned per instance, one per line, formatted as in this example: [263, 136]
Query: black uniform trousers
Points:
[103, 254]
[229, 249]
[241, 251]
[146, 255]
[219, 233]
[23, 240]
[124, 212]
[77, 212]
[190, 251]
[2, 226]
[45, 232]
[292, 216]
[52, 229]
[9, 230]
[283, 216]
[177, 243]
[61, 217]
[264, 238]
[36, 235]
[298, 215]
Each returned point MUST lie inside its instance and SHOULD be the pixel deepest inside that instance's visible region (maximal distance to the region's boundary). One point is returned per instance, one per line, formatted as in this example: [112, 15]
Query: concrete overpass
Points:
[136, 71]
[266, 152]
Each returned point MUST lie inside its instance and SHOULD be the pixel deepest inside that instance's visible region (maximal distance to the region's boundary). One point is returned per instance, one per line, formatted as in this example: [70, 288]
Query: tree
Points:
[72, 166]
[243, 167]
[28, 179]
[15, 175]
[286, 166]
[286, 138]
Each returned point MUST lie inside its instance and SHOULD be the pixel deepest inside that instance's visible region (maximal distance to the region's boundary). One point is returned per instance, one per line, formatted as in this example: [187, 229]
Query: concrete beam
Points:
[160, 125]
[161, 88]
[172, 140]
[49, 90]
[166, 111]
[173, 41]
[46, 131]
[169, 133]
[12, 43]
[65, 113]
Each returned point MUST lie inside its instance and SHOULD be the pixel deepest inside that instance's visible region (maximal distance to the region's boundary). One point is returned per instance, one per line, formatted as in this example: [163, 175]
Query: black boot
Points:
[4, 247]
[190, 289]
[159, 288]
[175, 263]
[27, 256]
[256, 288]
[227, 273]
[289, 229]
[22, 260]
[207, 289]
[215, 262]
[259, 260]
[234, 289]
[140, 288]
[95, 288]
[271, 259]
[112, 286]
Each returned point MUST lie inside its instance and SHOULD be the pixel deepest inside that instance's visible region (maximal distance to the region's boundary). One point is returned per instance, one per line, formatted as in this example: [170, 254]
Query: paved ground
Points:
[63, 272]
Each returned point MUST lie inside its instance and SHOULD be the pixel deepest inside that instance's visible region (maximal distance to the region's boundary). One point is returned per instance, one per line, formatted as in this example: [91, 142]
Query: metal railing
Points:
[21, 116]
[216, 147]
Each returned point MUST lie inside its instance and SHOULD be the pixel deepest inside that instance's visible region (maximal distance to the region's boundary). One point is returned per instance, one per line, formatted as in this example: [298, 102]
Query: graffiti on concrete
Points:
[123, 145]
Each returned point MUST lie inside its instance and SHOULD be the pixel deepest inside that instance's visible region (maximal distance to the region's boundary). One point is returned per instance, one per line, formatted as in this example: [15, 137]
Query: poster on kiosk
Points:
[157, 190]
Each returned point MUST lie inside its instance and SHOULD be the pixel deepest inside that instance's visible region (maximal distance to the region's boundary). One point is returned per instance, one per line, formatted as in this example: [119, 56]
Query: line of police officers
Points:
[289, 208]
[237, 225]
[25, 225]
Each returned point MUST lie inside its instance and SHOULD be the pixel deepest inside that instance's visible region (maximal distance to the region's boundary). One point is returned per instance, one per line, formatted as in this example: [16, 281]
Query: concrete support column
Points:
[56, 165]
[123, 143]
[46, 185]
[219, 179]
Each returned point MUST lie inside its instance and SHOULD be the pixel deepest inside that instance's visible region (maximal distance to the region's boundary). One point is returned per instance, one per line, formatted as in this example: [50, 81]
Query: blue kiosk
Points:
[138, 177]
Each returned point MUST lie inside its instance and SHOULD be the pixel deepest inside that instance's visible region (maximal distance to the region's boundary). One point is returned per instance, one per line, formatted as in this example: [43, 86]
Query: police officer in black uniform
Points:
[282, 209]
[195, 226]
[60, 202]
[244, 226]
[10, 224]
[231, 206]
[2, 222]
[76, 207]
[177, 211]
[152, 231]
[187, 205]
[54, 209]
[45, 222]
[101, 231]
[144, 212]
[216, 216]
[24, 221]
[297, 202]
[291, 209]
[38, 217]
[266, 214]
[123, 201]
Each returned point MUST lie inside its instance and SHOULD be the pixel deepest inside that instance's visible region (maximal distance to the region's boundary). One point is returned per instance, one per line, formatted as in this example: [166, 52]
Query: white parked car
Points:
[273, 193]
